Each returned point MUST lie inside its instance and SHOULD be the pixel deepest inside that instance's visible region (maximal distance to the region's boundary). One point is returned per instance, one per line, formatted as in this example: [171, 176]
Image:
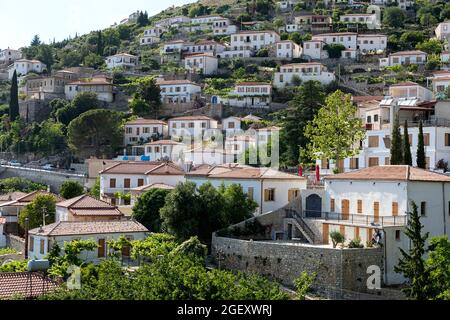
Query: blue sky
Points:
[20, 20]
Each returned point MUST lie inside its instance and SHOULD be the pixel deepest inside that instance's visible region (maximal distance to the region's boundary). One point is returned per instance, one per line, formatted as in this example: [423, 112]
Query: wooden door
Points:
[345, 209]
[376, 212]
[326, 233]
[101, 248]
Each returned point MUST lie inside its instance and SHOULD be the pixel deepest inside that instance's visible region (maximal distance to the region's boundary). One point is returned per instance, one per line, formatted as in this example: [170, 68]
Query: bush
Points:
[71, 189]
[303, 284]
[337, 238]
[355, 244]
[5, 251]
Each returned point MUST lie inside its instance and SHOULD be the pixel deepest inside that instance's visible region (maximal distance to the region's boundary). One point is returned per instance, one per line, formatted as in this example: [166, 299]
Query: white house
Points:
[304, 72]
[41, 240]
[204, 46]
[369, 19]
[347, 39]
[122, 177]
[172, 22]
[372, 43]
[2, 232]
[142, 130]
[207, 19]
[288, 49]
[314, 49]
[149, 40]
[440, 82]
[208, 156]
[404, 58]
[247, 95]
[269, 188]
[445, 56]
[231, 125]
[102, 86]
[86, 209]
[179, 91]
[154, 32]
[8, 56]
[125, 60]
[202, 63]
[253, 40]
[223, 27]
[360, 203]
[443, 30]
[192, 126]
[164, 150]
[24, 66]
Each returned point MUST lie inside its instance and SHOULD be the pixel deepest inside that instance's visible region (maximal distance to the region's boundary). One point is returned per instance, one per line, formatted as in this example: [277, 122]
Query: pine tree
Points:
[396, 144]
[14, 99]
[407, 157]
[36, 41]
[412, 264]
[421, 161]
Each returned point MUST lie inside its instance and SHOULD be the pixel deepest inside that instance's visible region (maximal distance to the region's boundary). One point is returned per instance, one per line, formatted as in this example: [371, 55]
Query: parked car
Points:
[14, 163]
[48, 167]
[3, 162]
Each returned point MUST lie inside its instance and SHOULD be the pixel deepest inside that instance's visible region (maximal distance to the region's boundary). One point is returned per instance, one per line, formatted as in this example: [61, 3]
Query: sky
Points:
[60, 18]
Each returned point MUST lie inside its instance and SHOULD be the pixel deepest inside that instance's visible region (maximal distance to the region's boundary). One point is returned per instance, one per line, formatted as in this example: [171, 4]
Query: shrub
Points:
[303, 284]
[337, 238]
[355, 244]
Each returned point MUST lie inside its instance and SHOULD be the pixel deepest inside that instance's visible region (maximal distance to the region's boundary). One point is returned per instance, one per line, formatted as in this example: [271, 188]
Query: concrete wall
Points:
[335, 268]
[16, 243]
[50, 178]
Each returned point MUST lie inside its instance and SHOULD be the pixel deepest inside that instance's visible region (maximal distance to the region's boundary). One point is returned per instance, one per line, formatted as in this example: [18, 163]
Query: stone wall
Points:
[9, 257]
[344, 269]
[15, 242]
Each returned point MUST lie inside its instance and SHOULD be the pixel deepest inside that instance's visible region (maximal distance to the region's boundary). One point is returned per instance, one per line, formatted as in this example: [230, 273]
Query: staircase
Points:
[301, 225]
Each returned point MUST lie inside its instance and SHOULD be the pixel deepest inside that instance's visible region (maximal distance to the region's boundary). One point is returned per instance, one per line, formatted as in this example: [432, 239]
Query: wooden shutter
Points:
[426, 139]
[112, 183]
[127, 183]
[345, 209]
[140, 182]
[395, 209]
[326, 234]
[360, 205]
[332, 205]
[342, 230]
[447, 139]
[42, 246]
[266, 195]
[31, 244]
[101, 248]
[357, 233]
[292, 194]
[250, 193]
[376, 211]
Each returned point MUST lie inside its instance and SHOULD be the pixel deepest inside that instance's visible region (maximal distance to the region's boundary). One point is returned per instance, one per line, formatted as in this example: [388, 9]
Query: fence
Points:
[360, 219]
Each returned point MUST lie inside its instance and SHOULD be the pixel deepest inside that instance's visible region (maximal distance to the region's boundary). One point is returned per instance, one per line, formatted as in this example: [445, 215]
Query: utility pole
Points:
[26, 237]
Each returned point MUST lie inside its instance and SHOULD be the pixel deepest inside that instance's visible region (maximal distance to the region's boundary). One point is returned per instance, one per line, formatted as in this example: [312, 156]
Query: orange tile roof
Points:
[154, 186]
[163, 142]
[405, 53]
[89, 228]
[191, 118]
[142, 121]
[86, 205]
[25, 285]
[167, 168]
[144, 168]
[392, 173]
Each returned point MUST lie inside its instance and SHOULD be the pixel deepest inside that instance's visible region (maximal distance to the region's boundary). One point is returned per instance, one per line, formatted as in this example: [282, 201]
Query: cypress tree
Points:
[14, 99]
[412, 264]
[396, 144]
[421, 161]
[407, 158]
[100, 43]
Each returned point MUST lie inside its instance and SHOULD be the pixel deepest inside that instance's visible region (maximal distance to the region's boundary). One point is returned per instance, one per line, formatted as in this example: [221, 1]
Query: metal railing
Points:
[357, 219]
[292, 214]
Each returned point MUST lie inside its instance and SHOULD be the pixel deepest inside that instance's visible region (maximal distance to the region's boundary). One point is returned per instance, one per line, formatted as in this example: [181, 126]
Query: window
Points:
[354, 163]
[423, 208]
[360, 206]
[231, 125]
[447, 139]
[269, 195]
[140, 182]
[373, 141]
[112, 183]
[42, 245]
[325, 164]
[395, 209]
[292, 194]
[373, 162]
[31, 244]
[332, 205]
[126, 183]
[397, 235]
[101, 248]
[426, 139]
[191, 125]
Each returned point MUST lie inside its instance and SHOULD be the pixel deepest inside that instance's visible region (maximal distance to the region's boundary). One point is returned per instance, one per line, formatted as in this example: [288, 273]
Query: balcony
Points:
[358, 219]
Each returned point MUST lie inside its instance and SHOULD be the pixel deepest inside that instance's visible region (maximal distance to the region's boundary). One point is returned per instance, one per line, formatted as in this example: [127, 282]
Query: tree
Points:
[396, 142]
[147, 96]
[437, 264]
[100, 44]
[35, 211]
[93, 60]
[336, 132]
[36, 41]
[334, 50]
[45, 54]
[83, 101]
[428, 20]
[336, 238]
[238, 206]
[146, 210]
[19, 184]
[71, 189]
[412, 264]
[430, 46]
[394, 17]
[302, 109]
[95, 191]
[14, 99]
[407, 158]
[421, 159]
[410, 39]
[96, 133]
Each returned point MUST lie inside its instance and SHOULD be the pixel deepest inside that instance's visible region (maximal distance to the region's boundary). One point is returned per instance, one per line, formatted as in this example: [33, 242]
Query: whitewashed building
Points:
[193, 126]
[204, 46]
[24, 66]
[404, 58]
[288, 49]
[41, 240]
[314, 49]
[8, 56]
[174, 22]
[368, 19]
[376, 43]
[179, 91]
[231, 125]
[443, 31]
[202, 63]
[304, 72]
[143, 130]
[102, 86]
[125, 60]
[347, 39]
[253, 40]
[269, 188]
[223, 27]
[164, 150]
[247, 95]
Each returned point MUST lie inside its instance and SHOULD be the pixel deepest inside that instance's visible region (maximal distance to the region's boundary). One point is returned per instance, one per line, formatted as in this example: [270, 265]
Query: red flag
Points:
[300, 171]
[317, 174]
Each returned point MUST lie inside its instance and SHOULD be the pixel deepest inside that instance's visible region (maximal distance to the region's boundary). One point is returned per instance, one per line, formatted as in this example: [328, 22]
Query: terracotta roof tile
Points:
[86, 205]
[392, 173]
[154, 186]
[131, 168]
[144, 122]
[25, 284]
[191, 118]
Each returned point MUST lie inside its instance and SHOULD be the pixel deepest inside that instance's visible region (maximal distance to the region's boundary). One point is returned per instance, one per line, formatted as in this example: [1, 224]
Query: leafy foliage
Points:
[42, 204]
[19, 184]
[147, 207]
[71, 189]
[303, 284]
[336, 238]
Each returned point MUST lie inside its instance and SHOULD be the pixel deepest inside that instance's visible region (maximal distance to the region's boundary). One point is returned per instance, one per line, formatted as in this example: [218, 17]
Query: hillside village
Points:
[263, 134]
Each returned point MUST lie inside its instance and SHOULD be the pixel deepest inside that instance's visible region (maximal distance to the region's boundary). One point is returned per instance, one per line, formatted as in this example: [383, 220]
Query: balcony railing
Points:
[357, 219]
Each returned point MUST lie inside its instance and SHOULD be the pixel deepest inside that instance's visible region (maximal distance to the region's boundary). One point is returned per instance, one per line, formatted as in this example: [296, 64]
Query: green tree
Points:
[45, 54]
[437, 264]
[147, 96]
[19, 184]
[303, 284]
[336, 238]
[14, 99]
[237, 205]
[394, 17]
[146, 210]
[410, 39]
[35, 211]
[412, 264]
[302, 109]
[96, 133]
[95, 191]
[407, 157]
[334, 50]
[430, 46]
[83, 102]
[396, 144]
[421, 159]
[71, 189]
[36, 41]
[100, 44]
[93, 60]
[336, 132]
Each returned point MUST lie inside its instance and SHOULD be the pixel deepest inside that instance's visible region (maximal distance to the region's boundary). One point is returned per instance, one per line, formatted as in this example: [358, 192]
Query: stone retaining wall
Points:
[15, 242]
